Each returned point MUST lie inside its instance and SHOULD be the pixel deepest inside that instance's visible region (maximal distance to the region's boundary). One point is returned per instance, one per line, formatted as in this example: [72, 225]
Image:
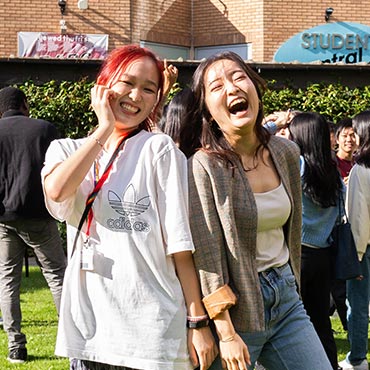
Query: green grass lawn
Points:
[40, 326]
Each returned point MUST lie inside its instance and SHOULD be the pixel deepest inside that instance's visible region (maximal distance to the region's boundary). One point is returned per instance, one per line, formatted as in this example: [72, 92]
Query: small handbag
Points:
[346, 263]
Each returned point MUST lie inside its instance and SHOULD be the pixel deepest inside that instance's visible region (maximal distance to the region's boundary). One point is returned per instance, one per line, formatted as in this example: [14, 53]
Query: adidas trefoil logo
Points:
[129, 205]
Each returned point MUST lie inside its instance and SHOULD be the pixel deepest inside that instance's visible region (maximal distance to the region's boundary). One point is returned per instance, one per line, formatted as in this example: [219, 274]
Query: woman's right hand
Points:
[202, 347]
[101, 97]
[234, 354]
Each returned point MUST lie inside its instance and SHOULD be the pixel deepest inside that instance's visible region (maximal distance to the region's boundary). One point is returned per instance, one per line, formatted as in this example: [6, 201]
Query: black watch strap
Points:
[197, 324]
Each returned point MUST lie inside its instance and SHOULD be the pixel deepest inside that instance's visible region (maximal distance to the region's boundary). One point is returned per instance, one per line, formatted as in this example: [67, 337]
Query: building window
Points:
[167, 51]
[243, 50]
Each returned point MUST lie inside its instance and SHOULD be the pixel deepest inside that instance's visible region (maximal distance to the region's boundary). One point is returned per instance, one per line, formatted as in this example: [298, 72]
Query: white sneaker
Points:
[347, 366]
[259, 367]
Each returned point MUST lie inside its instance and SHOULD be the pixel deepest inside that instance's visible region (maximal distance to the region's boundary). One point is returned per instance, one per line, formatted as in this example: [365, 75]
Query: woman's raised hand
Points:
[101, 97]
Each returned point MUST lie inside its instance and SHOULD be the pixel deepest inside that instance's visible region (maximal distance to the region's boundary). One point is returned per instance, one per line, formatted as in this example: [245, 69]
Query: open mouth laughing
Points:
[238, 105]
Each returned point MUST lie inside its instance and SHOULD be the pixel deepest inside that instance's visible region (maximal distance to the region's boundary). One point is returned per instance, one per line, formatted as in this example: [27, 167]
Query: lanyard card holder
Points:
[87, 256]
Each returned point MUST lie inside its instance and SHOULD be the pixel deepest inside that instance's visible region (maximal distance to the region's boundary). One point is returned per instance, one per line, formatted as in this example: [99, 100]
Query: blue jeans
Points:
[358, 295]
[43, 237]
[289, 341]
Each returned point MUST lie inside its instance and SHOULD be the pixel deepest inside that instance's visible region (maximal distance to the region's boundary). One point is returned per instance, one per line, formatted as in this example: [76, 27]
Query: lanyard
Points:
[93, 195]
[88, 213]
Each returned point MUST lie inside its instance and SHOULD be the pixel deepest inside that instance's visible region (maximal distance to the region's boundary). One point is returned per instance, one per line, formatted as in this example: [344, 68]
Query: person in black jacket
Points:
[24, 220]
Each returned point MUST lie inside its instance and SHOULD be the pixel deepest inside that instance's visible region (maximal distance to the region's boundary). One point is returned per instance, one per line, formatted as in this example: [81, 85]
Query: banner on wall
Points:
[62, 46]
[339, 42]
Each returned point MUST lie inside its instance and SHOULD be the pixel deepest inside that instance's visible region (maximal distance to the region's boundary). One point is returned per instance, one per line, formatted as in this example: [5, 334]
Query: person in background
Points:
[321, 187]
[24, 220]
[346, 140]
[277, 123]
[358, 210]
[346, 145]
[130, 287]
[245, 217]
[180, 122]
[170, 74]
[333, 139]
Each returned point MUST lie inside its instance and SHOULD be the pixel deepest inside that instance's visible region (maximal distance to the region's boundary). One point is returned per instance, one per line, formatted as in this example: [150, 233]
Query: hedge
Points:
[334, 101]
[67, 104]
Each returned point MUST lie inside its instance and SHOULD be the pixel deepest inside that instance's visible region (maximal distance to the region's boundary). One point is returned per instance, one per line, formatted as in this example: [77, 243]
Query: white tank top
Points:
[273, 209]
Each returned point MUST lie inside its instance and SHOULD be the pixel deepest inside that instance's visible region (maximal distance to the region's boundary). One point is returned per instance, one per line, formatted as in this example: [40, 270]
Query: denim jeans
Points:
[43, 236]
[289, 341]
[358, 296]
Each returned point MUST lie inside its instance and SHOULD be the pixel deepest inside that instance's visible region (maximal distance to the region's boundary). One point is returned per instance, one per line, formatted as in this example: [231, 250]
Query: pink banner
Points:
[62, 46]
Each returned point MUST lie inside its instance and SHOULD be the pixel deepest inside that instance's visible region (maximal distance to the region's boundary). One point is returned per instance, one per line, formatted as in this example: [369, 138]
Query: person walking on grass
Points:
[358, 210]
[24, 220]
[321, 190]
[346, 142]
[244, 185]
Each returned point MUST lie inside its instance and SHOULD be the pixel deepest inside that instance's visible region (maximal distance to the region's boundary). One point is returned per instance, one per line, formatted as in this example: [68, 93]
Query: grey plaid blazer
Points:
[223, 220]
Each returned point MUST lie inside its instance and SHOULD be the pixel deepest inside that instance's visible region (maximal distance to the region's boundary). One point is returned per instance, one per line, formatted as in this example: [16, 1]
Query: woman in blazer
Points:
[245, 219]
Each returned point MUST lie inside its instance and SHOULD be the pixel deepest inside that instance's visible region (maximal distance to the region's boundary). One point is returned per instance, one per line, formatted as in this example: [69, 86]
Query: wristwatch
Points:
[197, 324]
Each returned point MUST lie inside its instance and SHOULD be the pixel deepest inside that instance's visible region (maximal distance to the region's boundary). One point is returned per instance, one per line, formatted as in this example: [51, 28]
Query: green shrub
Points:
[66, 104]
[334, 101]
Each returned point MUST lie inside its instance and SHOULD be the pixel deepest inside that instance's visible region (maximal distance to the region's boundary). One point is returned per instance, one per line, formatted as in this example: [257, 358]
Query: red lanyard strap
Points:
[93, 195]
[87, 213]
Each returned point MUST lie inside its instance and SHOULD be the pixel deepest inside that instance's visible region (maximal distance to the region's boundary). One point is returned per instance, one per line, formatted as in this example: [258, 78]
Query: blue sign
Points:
[348, 43]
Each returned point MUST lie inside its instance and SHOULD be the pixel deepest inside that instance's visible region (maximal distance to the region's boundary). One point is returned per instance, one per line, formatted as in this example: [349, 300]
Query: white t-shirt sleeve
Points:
[172, 193]
[58, 151]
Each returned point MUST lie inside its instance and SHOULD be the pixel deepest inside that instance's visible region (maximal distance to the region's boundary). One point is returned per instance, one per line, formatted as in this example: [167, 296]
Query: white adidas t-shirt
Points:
[130, 310]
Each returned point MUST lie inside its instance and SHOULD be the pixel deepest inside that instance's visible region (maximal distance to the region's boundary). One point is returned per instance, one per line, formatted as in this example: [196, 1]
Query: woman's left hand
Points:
[202, 347]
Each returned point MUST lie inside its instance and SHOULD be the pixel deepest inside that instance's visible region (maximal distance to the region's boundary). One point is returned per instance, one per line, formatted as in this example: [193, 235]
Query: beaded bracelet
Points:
[197, 318]
[98, 142]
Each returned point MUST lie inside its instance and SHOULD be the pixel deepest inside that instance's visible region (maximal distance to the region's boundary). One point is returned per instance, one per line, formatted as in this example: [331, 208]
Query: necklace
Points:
[254, 165]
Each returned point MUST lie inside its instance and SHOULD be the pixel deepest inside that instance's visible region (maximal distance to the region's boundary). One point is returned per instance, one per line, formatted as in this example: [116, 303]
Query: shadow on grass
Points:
[39, 323]
[33, 358]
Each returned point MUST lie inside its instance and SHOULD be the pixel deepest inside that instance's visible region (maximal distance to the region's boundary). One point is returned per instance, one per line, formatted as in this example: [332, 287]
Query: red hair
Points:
[119, 59]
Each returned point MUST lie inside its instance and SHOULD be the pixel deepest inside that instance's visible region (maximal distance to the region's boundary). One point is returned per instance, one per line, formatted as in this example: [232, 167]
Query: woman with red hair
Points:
[130, 288]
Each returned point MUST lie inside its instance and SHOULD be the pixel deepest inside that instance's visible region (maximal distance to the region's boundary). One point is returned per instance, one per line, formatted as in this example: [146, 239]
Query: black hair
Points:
[321, 180]
[11, 98]
[212, 138]
[341, 125]
[332, 127]
[182, 122]
[361, 126]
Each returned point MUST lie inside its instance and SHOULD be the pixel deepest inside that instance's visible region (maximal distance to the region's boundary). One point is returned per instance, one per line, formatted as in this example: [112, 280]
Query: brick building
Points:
[190, 30]
[178, 28]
